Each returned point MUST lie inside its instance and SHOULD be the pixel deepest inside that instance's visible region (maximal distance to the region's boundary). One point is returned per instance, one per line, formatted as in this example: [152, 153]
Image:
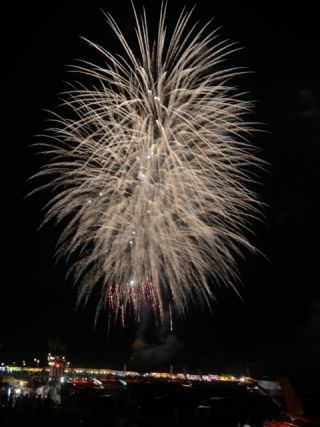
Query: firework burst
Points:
[150, 174]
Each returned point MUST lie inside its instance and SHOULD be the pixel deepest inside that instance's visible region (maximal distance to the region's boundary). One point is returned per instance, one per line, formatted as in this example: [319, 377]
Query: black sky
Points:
[278, 321]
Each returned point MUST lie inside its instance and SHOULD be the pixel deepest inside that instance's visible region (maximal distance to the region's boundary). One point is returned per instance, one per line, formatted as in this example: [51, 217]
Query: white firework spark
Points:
[152, 171]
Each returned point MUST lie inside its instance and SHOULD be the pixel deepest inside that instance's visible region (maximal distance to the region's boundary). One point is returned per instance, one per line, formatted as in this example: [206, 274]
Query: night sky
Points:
[277, 323]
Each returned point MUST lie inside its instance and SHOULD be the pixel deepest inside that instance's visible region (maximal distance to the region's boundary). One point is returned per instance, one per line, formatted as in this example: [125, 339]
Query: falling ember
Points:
[137, 297]
[151, 173]
[171, 322]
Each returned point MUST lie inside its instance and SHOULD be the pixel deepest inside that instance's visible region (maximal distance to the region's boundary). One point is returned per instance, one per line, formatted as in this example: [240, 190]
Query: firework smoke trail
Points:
[152, 171]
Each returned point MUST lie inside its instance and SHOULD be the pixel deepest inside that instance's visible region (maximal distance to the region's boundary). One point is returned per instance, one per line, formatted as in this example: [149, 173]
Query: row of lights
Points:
[24, 363]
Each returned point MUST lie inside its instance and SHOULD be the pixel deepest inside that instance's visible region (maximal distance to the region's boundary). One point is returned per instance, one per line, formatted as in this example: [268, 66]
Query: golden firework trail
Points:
[151, 173]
